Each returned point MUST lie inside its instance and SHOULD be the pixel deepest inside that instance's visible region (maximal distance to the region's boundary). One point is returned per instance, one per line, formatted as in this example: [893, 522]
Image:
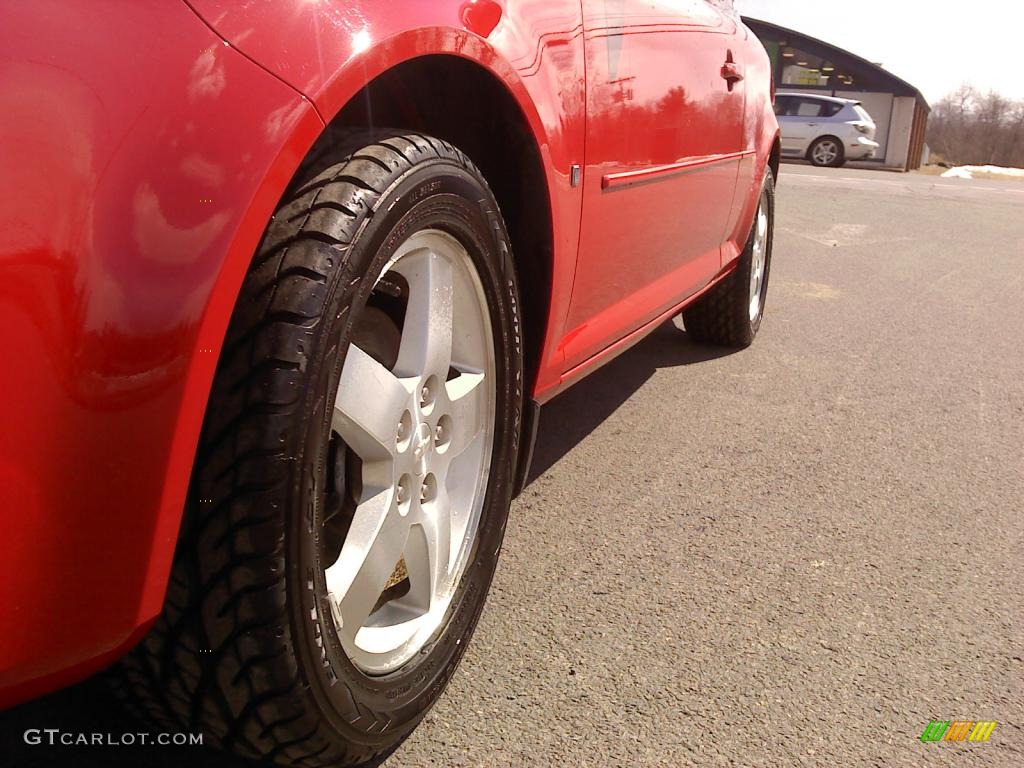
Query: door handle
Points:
[731, 71]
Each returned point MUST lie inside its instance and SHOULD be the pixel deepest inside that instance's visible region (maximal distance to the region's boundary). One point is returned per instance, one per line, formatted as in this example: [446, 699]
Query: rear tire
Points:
[827, 152]
[726, 315]
[251, 648]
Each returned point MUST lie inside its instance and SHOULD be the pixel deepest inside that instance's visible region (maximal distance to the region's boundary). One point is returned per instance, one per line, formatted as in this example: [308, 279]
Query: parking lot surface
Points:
[798, 554]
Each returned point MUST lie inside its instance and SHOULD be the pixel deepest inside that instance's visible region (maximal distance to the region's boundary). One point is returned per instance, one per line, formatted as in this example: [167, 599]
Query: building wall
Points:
[902, 120]
[901, 132]
[918, 150]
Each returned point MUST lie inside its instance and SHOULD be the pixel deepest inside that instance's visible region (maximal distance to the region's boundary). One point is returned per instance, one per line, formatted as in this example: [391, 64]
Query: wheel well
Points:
[774, 158]
[459, 101]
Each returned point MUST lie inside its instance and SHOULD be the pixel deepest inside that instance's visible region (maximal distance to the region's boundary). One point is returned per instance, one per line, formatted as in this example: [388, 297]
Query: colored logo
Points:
[959, 730]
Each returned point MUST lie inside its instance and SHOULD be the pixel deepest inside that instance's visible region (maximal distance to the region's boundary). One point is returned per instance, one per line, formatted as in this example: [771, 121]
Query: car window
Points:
[791, 106]
[808, 108]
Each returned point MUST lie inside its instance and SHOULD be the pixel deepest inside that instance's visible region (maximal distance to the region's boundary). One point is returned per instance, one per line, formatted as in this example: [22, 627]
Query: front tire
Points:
[730, 314]
[355, 469]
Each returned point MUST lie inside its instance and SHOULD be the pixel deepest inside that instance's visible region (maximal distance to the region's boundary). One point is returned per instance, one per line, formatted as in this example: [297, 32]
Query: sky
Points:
[935, 46]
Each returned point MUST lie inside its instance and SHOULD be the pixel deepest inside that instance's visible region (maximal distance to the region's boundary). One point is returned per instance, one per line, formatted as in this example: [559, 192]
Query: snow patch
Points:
[968, 171]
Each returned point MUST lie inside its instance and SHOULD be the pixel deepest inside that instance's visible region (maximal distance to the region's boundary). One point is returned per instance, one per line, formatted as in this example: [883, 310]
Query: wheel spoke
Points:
[467, 395]
[426, 346]
[369, 406]
[429, 552]
[372, 548]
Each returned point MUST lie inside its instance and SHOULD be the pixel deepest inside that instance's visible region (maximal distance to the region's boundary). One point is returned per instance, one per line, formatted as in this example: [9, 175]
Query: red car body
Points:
[143, 148]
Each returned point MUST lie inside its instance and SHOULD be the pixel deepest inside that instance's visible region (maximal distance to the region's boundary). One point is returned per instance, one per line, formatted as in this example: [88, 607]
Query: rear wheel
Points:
[355, 470]
[827, 152]
[730, 314]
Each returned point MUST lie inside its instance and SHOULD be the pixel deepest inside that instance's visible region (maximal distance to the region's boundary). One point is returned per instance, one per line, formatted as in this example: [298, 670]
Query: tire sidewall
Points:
[436, 194]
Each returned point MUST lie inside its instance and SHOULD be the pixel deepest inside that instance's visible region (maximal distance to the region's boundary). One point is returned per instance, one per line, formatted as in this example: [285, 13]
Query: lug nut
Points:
[402, 493]
[428, 491]
[443, 432]
[427, 392]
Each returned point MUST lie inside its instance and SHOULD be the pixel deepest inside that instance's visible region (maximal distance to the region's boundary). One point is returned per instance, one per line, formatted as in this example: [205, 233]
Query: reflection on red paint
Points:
[481, 16]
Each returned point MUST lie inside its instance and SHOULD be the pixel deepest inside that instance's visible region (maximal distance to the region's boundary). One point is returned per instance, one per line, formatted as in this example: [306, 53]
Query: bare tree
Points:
[971, 128]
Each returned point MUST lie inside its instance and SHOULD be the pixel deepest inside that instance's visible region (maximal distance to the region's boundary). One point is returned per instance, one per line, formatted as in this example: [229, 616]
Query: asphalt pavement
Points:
[795, 555]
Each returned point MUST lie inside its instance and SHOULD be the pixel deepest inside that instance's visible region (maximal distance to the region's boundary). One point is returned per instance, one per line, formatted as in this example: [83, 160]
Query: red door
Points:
[664, 140]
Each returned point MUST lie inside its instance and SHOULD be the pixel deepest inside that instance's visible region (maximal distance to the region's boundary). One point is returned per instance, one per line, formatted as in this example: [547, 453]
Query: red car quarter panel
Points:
[136, 149]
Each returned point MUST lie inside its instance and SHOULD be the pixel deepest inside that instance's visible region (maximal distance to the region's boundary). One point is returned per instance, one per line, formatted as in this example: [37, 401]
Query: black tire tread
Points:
[219, 659]
[718, 317]
[721, 317]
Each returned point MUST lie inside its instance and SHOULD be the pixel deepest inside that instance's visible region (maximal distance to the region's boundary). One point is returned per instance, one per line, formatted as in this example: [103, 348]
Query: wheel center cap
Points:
[422, 447]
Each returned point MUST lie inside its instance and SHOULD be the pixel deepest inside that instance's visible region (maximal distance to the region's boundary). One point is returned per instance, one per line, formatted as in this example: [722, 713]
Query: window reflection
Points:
[799, 67]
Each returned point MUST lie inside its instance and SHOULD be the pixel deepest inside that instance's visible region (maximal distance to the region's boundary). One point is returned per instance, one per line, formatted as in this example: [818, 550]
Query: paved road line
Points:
[907, 184]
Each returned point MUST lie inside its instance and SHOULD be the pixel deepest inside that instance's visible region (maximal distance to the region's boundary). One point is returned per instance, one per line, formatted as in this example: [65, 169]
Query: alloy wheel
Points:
[826, 152]
[422, 430]
[758, 261]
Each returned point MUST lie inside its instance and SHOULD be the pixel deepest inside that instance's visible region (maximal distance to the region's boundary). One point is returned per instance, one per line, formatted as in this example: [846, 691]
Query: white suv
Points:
[825, 130]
